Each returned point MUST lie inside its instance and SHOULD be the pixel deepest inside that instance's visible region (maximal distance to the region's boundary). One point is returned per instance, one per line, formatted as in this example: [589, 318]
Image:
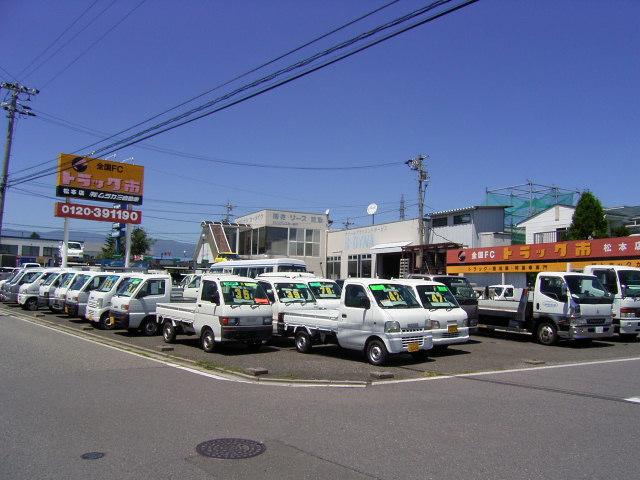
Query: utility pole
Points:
[347, 223]
[229, 208]
[402, 209]
[18, 92]
[417, 164]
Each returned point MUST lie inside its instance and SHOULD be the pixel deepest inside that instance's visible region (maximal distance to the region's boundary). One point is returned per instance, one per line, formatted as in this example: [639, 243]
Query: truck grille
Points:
[407, 340]
[450, 335]
[595, 321]
[411, 330]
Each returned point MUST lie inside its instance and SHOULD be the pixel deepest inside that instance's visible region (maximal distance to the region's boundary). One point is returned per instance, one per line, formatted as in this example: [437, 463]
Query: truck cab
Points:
[48, 287]
[26, 278]
[286, 294]
[99, 301]
[75, 304]
[624, 284]
[56, 301]
[134, 305]
[228, 308]
[326, 291]
[445, 318]
[28, 295]
[501, 292]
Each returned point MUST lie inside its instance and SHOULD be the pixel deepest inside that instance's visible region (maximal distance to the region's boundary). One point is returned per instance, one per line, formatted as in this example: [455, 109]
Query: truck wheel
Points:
[208, 341]
[149, 327]
[547, 333]
[303, 342]
[105, 323]
[32, 304]
[168, 332]
[254, 345]
[376, 352]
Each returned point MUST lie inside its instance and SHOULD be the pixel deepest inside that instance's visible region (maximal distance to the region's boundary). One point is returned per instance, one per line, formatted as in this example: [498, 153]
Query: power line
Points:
[69, 40]
[64, 30]
[145, 134]
[94, 43]
[9, 74]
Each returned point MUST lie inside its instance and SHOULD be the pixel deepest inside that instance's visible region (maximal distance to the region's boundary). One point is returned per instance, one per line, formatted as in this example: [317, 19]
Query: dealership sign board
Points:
[99, 180]
[545, 256]
[101, 214]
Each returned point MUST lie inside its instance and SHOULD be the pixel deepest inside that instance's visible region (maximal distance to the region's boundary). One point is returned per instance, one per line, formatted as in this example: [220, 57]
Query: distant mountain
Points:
[93, 241]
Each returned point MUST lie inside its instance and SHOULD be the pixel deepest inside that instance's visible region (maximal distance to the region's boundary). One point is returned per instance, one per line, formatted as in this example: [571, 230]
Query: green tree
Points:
[34, 235]
[109, 247]
[588, 219]
[620, 231]
[140, 242]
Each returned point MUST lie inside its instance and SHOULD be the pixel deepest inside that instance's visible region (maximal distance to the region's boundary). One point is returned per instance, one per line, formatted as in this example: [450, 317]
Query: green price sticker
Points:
[300, 285]
[376, 287]
[315, 284]
[230, 284]
[441, 288]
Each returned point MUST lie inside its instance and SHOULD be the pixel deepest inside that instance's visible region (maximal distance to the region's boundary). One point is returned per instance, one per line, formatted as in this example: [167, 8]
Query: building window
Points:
[439, 222]
[258, 241]
[276, 240]
[30, 251]
[49, 251]
[462, 219]
[559, 235]
[304, 242]
[10, 249]
[333, 267]
[359, 266]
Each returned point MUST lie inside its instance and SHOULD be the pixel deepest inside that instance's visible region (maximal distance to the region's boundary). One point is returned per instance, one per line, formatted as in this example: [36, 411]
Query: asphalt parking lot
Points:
[484, 352]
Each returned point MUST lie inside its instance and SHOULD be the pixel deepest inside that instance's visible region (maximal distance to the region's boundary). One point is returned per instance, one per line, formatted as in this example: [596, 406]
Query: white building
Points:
[549, 225]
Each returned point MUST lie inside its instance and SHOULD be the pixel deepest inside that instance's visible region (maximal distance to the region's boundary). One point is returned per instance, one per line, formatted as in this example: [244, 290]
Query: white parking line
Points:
[633, 399]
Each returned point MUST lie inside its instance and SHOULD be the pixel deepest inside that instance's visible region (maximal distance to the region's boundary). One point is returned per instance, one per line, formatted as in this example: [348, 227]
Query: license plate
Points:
[599, 329]
[413, 347]
[452, 329]
[90, 316]
[66, 309]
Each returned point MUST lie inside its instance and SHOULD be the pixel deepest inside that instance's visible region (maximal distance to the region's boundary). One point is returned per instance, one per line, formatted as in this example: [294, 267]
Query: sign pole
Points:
[127, 255]
[65, 241]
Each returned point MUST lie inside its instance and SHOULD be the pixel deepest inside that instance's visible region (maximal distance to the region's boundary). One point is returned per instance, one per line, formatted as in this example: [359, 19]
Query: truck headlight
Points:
[434, 324]
[267, 320]
[391, 327]
[99, 303]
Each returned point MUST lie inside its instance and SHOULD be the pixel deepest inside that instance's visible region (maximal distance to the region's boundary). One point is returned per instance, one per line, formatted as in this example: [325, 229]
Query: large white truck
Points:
[228, 309]
[134, 305]
[624, 284]
[377, 317]
[447, 321]
[562, 305]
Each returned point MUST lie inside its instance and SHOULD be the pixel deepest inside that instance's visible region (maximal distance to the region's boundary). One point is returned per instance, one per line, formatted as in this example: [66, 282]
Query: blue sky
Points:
[495, 94]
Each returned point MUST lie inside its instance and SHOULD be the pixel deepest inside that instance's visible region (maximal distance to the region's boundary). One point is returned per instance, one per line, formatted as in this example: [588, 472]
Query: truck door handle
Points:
[537, 306]
[199, 304]
[344, 315]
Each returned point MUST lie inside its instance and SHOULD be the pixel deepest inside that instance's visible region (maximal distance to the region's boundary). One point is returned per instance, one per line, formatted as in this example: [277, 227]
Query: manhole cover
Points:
[92, 455]
[230, 448]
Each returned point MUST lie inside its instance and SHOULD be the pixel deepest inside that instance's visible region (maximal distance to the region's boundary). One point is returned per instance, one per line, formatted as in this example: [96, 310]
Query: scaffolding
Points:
[525, 200]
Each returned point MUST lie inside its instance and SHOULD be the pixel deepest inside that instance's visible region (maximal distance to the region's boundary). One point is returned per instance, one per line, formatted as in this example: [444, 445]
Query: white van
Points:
[445, 318]
[134, 305]
[325, 290]
[253, 268]
[57, 299]
[286, 294]
[28, 295]
[99, 301]
[75, 304]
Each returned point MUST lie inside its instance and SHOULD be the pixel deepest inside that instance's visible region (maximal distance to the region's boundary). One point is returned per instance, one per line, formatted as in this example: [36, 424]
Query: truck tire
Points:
[303, 342]
[31, 304]
[376, 352]
[208, 340]
[104, 323]
[149, 327]
[546, 333]
[168, 332]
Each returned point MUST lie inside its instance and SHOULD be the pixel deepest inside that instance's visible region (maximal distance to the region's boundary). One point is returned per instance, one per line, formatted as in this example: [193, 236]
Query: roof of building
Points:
[544, 211]
[623, 211]
[469, 209]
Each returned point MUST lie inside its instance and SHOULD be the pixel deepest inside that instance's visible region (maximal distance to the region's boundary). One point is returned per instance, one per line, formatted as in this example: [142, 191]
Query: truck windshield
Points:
[129, 286]
[79, 282]
[436, 296]
[393, 296]
[47, 276]
[294, 293]
[30, 277]
[631, 280]
[587, 289]
[243, 293]
[67, 280]
[459, 286]
[108, 283]
[325, 290]
[51, 279]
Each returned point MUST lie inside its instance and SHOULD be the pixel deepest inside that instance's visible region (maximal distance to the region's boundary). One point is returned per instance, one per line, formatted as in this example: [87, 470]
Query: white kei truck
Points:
[29, 276]
[75, 304]
[624, 284]
[229, 308]
[134, 305]
[562, 305]
[286, 294]
[48, 287]
[378, 317]
[57, 299]
[29, 294]
[99, 301]
[445, 318]
[325, 291]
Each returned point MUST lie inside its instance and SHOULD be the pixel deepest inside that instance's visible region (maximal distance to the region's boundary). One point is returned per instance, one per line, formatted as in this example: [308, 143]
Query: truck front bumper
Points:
[11, 297]
[403, 342]
[247, 333]
[441, 336]
[577, 332]
[57, 304]
[22, 298]
[629, 325]
[71, 308]
[43, 301]
[119, 319]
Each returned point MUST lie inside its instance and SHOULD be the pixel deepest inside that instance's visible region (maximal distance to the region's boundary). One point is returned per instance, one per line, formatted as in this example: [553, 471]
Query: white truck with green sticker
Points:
[377, 317]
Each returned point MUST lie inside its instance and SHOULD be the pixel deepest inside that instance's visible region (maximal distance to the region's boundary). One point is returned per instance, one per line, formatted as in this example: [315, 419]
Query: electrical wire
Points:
[8, 74]
[64, 31]
[145, 134]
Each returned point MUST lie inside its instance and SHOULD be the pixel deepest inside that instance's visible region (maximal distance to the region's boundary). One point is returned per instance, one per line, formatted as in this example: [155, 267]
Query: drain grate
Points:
[230, 448]
[92, 455]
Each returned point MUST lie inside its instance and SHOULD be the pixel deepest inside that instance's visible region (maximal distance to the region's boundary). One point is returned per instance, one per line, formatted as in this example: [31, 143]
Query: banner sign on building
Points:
[101, 214]
[545, 256]
[99, 180]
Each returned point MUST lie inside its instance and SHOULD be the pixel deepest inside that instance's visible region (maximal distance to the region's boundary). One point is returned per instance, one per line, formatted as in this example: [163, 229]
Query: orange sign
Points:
[535, 267]
[99, 180]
